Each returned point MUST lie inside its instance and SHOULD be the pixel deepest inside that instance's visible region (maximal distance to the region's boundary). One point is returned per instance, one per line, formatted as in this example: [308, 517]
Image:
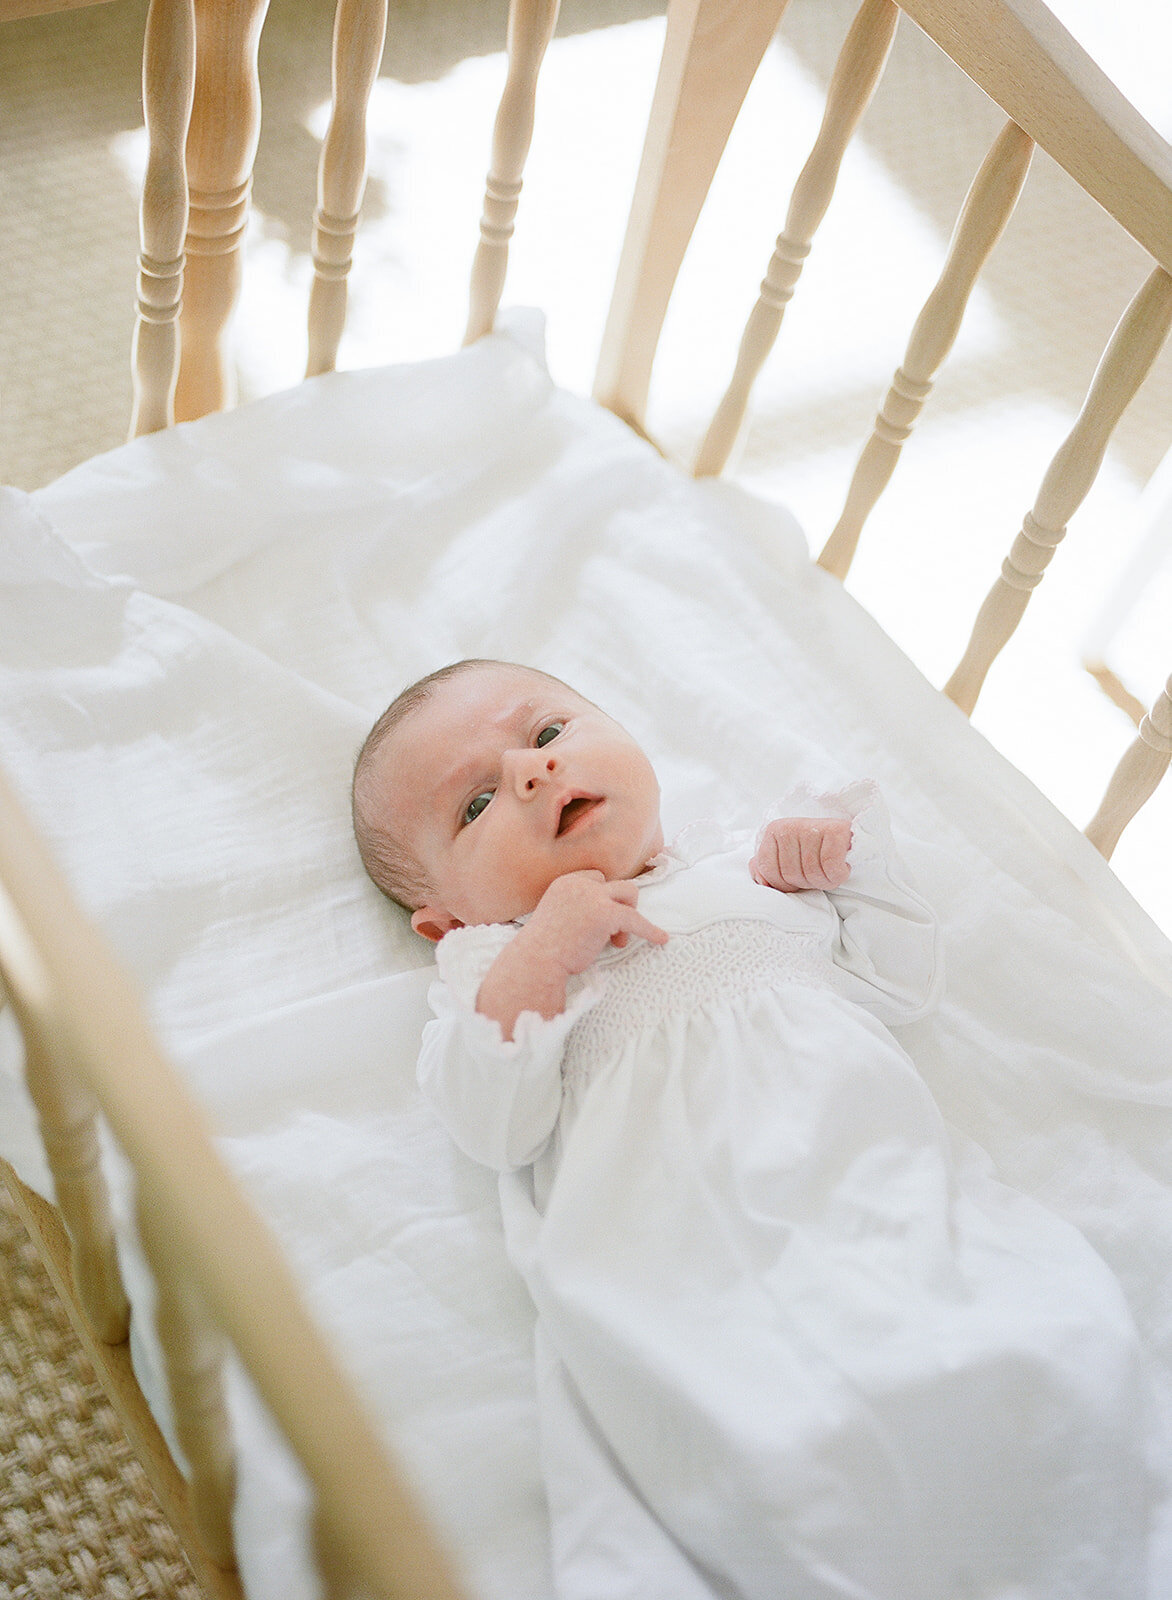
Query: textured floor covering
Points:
[77, 1515]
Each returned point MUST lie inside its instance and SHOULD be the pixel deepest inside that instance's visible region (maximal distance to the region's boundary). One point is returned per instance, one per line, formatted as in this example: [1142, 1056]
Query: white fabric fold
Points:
[197, 629]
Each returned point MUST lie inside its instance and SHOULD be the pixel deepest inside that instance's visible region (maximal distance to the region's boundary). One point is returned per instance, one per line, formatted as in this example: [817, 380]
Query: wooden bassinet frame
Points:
[89, 1052]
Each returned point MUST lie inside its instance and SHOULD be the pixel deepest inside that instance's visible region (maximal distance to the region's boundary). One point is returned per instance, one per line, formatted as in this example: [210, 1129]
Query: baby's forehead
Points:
[457, 713]
[490, 694]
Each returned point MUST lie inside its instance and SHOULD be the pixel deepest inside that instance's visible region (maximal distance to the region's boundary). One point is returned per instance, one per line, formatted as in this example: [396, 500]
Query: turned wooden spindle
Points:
[1135, 779]
[858, 70]
[1126, 361]
[986, 210]
[360, 28]
[221, 149]
[193, 1356]
[168, 82]
[67, 1113]
[531, 25]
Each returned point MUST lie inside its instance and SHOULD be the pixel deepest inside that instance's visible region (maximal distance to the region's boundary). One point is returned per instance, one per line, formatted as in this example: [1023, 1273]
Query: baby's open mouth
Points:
[576, 810]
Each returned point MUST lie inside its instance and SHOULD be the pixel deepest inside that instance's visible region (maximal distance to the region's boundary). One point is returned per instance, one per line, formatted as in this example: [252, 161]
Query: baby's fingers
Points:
[635, 923]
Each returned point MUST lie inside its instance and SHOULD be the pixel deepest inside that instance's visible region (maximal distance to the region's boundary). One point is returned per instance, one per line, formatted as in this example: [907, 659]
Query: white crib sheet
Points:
[196, 631]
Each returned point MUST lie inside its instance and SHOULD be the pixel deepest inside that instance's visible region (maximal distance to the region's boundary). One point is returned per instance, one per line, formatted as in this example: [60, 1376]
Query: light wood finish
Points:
[1027, 62]
[229, 1254]
[859, 68]
[193, 1356]
[1016, 50]
[712, 48]
[67, 1113]
[112, 1367]
[333, 1568]
[168, 84]
[360, 29]
[1116, 690]
[531, 25]
[10, 10]
[221, 149]
[1126, 362]
[1135, 779]
[68, 1116]
[987, 208]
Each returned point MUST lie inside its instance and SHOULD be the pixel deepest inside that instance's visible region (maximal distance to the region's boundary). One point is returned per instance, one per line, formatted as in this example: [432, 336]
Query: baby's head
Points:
[483, 782]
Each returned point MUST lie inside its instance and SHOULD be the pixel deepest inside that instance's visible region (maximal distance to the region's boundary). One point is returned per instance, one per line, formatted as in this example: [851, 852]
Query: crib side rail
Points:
[1025, 60]
[1055, 97]
[711, 51]
[77, 1008]
[1014, 50]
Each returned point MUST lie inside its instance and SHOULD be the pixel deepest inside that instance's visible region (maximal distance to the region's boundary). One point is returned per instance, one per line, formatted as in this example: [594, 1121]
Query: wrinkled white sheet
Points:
[195, 632]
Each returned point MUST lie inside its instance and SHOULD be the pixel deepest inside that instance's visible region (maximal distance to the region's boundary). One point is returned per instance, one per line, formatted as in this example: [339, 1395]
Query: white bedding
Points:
[196, 631]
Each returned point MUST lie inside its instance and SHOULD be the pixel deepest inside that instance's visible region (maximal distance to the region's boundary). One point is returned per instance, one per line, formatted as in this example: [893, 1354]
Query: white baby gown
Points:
[794, 1338]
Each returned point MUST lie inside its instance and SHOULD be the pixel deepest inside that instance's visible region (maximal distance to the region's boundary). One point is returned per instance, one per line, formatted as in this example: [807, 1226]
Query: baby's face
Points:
[503, 781]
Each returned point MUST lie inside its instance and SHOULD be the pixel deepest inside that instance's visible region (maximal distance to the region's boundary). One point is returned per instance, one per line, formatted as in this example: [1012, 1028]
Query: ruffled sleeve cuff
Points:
[498, 1098]
[887, 953]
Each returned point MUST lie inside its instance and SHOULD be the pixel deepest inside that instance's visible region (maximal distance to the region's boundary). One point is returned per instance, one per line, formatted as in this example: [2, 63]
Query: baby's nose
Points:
[532, 770]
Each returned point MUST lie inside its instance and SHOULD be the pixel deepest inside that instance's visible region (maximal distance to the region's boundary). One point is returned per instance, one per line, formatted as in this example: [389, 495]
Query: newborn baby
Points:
[793, 1336]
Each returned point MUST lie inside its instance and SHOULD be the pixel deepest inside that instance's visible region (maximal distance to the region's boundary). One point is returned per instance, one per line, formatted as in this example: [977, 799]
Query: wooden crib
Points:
[89, 1052]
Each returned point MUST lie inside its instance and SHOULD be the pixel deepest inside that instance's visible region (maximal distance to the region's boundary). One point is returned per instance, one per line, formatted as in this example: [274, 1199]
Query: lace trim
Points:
[719, 962]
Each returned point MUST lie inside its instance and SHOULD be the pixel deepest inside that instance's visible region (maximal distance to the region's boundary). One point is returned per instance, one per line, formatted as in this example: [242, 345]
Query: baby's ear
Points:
[433, 923]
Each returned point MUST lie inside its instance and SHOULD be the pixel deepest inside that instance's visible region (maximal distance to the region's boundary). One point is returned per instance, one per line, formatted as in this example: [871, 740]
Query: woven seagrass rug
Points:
[78, 1517]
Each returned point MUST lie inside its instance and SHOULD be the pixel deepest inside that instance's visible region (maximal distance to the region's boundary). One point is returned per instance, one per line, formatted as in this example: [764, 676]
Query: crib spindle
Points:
[360, 28]
[221, 149]
[986, 210]
[531, 25]
[712, 48]
[68, 1115]
[859, 68]
[168, 83]
[193, 1353]
[1126, 362]
[1135, 779]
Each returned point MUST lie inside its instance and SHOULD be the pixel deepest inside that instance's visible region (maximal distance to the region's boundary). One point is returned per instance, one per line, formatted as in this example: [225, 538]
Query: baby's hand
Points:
[576, 918]
[581, 913]
[803, 853]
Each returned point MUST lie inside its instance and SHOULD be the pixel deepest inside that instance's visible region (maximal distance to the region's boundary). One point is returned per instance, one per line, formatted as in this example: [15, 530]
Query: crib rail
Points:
[89, 1049]
[1055, 97]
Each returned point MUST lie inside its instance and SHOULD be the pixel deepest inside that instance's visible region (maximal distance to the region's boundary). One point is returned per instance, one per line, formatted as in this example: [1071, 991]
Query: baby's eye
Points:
[476, 805]
[549, 734]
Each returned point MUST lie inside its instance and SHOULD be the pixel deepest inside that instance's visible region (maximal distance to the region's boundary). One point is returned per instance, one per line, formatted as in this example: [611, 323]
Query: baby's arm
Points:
[576, 918]
[803, 853]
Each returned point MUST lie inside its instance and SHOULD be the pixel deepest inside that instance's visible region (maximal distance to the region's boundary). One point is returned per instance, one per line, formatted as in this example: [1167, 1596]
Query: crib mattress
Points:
[196, 631]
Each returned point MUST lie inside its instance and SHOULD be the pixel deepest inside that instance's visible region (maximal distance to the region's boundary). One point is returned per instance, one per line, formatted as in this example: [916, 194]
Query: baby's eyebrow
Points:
[460, 779]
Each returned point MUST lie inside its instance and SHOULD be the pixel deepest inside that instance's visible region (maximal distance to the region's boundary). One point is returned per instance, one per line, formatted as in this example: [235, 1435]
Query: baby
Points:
[487, 792]
[793, 1338]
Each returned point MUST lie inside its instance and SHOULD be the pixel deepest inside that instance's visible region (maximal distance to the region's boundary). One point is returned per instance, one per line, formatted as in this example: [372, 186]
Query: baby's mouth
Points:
[576, 811]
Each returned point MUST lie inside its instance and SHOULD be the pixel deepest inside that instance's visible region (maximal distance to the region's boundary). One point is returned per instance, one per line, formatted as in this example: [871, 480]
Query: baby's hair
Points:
[392, 868]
